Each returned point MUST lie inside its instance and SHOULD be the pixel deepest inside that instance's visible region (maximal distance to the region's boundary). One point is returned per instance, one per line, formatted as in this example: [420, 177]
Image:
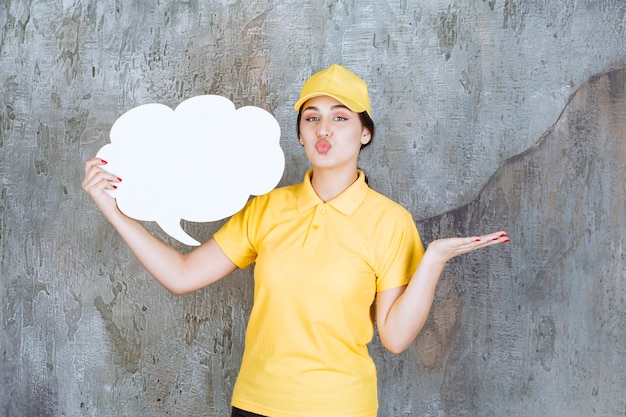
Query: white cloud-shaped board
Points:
[200, 162]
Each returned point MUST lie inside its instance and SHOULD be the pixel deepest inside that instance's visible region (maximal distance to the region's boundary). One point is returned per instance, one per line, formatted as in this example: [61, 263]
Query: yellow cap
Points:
[339, 83]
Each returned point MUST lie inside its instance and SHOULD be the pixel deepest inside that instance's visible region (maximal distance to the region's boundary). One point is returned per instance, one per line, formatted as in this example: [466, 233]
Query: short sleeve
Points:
[234, 237]
[402, 254]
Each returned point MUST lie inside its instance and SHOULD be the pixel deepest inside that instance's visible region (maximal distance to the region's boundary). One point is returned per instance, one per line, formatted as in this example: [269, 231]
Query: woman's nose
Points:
[324, 130]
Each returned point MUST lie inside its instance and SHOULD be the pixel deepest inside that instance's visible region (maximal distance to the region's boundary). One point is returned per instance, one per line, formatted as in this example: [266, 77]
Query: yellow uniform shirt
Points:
[318, 268]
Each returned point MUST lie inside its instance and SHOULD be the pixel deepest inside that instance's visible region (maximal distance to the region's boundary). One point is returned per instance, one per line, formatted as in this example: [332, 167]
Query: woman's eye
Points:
[312, 119]
[340, 118]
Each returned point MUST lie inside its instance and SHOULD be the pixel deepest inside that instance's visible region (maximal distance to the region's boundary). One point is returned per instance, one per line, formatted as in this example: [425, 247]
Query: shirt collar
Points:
[347, 202]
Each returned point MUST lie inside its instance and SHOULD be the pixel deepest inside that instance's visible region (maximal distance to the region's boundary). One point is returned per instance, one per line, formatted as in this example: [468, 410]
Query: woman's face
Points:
[332, 134]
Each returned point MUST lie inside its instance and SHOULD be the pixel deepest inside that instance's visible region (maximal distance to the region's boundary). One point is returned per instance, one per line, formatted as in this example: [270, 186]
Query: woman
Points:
[325, 251]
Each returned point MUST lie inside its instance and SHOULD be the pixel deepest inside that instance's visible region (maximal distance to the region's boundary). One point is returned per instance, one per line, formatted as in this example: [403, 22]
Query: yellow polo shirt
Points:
[318, 267]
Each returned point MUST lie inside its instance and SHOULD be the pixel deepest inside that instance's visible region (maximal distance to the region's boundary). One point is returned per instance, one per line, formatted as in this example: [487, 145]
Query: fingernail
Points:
[496, 238]
[103, 162]
[477, 239]
[119, 179]
[507, 240]
[503, 234]
[114, 187]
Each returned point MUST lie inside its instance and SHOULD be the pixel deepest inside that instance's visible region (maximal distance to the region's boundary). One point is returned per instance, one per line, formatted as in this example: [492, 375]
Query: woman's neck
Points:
[329, 183]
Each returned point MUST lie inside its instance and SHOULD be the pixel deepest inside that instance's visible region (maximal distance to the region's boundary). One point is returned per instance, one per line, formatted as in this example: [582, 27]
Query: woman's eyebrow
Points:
[335, 107]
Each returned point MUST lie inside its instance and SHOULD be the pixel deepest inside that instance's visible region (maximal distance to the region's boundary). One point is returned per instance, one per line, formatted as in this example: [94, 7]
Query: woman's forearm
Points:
[408, 314]
[178, 273]
[162, 262]
[401, 313]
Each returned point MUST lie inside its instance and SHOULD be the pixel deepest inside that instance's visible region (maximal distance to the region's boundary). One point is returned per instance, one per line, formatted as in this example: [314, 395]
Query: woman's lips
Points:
[323, 146]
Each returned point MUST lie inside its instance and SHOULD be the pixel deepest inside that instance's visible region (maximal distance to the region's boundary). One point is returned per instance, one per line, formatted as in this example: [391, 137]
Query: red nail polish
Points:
[496, 238]
[507, 240]
[503, 234]
[119, 179]
[477, 239]
[103, 162]
[114, 187]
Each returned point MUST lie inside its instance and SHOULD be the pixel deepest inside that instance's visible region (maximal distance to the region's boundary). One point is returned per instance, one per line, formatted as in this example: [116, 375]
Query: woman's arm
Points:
[179, 273]
[401, 312]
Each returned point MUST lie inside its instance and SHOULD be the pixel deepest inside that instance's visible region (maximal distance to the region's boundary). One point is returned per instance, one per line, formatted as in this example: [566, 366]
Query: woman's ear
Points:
[367, 136]
[301, 142]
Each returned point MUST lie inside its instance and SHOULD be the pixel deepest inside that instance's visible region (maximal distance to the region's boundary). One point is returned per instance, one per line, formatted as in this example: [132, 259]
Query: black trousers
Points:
[241, 413]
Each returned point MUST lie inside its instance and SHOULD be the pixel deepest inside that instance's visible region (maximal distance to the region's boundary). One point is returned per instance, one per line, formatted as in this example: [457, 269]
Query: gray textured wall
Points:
[490, 114]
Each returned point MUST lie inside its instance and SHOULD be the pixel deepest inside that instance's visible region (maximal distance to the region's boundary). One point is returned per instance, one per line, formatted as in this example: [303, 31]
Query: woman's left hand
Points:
[448, 248]
[401, 312]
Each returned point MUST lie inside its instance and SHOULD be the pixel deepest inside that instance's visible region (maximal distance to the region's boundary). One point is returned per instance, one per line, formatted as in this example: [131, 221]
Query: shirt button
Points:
[322, 209]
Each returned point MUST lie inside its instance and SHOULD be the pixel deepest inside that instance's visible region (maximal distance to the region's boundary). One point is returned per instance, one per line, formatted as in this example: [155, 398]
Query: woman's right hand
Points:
[96, 181]
[180, 274]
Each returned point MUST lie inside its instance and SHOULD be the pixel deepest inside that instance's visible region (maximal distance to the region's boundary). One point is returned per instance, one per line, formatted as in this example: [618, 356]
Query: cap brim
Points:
[351, 104]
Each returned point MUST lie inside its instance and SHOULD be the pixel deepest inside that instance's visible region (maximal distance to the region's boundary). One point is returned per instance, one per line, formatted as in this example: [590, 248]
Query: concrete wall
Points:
[490, 114]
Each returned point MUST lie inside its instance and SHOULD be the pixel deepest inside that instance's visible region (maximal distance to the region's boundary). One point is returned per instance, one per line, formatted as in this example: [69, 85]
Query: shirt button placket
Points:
[319, 217]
